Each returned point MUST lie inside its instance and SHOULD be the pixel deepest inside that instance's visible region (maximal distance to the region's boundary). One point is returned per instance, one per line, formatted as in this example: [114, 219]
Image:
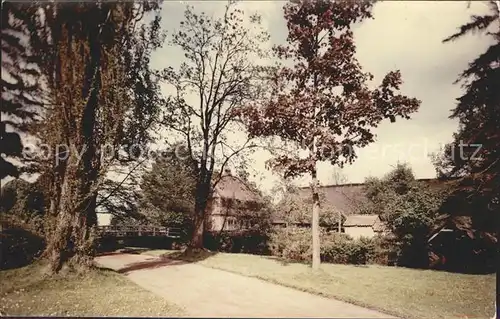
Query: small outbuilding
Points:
[358, 226]
[103, 217]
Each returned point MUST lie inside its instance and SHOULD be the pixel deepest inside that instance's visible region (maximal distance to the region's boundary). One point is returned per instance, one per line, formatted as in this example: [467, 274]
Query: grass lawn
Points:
[406, 293]
[24, 291]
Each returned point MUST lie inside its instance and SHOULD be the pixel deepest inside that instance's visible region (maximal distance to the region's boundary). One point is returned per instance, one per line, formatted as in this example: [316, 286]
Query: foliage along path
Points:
[207, 292]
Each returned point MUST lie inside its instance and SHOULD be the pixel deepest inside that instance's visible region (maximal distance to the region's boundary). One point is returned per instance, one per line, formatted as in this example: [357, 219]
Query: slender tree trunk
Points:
[316, 249]
[340, 222]
[316, 258]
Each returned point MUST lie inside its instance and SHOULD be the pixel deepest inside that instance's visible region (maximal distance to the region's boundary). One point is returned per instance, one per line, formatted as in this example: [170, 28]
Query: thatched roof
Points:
[343, 198]
[347, 198]
[232, 187]
[361, 220]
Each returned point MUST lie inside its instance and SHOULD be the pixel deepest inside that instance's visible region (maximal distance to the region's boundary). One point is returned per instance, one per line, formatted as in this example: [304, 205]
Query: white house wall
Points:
[216, 222]
[103, 219]
[217, 215]
[357, 232]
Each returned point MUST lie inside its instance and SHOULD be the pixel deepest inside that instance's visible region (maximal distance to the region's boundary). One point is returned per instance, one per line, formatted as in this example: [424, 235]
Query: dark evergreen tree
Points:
[20, 84]
[474, 155]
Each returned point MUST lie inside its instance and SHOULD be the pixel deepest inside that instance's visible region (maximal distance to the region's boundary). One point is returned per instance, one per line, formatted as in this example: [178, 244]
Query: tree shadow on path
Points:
[152, 262]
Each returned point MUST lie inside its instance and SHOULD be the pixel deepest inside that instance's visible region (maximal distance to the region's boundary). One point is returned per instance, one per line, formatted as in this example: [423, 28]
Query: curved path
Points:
[207, 292]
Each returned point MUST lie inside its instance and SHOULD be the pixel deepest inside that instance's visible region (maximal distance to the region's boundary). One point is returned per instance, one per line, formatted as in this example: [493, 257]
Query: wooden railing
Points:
[132, 231]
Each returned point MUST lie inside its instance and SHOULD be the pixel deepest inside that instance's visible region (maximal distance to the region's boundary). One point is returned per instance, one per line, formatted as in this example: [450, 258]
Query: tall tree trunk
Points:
[202, 193]
[58, 245]
[71, 241]
[198, 229]
[316, 258]
[90, 213]
[316, 249]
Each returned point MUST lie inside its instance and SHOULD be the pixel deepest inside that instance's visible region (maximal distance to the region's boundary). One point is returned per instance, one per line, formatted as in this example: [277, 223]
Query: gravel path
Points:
[207, 292]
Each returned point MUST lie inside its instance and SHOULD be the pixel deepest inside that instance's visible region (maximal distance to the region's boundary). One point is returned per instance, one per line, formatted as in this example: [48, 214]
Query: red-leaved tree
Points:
[320, 98]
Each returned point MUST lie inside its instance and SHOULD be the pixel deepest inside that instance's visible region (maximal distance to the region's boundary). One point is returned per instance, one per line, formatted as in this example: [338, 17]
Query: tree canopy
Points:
[168, 190]
[294, 208]
[321, 99]
[220, 69]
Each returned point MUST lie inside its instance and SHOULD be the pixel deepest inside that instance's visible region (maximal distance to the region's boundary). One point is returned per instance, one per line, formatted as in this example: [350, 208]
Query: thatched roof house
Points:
[347, 199]
[232, 187]
[344, 198]
[233, 204]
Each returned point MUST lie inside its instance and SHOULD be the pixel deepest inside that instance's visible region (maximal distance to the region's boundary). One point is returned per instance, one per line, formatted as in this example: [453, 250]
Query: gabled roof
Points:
[343, 198]
[232, 187]
[361, 220]
[346, 198]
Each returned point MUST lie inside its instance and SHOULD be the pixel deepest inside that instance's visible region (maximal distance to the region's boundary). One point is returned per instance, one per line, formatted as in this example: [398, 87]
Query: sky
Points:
[404, 35]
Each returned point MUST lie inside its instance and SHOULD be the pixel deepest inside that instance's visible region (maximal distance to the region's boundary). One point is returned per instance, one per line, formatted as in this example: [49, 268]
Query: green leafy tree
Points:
[294, 208]
[23, 205]
[409, 209]
[220, 71]
[121, 199]
[322, 102]
[167, 192]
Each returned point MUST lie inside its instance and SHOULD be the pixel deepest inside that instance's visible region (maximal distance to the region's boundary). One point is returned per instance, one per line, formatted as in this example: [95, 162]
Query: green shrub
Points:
[362, 251]
[384, 251]
[18, 247]
[249, 241]
[291, 244]
[294, 244]
[336, 248]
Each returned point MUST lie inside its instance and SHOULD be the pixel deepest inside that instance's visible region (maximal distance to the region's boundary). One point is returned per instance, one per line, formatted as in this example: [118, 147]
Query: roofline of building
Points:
[361, 184]
[258, 197]
[334, 185]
